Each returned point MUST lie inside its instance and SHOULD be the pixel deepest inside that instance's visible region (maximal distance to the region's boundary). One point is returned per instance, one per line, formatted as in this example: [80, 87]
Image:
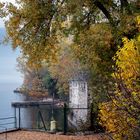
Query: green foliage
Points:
[50, 84]
[93, 47]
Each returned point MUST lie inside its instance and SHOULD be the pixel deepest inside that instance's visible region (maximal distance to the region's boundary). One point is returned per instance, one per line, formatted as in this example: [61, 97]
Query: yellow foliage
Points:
[117, 122]
[138, 20]
[128, 62]
[120, 116]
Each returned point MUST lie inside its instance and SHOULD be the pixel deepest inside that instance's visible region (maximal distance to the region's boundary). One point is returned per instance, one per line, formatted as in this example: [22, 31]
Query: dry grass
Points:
[29, 135]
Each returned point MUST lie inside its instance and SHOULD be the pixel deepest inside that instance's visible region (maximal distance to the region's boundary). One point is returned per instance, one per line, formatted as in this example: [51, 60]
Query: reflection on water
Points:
[30, 117]
[6, 98]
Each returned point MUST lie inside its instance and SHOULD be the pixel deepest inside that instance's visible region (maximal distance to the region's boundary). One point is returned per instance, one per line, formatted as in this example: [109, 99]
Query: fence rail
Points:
[41, 118]
[7, 118]
[8, 124]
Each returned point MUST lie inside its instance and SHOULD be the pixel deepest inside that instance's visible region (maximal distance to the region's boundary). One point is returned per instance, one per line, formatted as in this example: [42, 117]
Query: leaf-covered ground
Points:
[28, 135]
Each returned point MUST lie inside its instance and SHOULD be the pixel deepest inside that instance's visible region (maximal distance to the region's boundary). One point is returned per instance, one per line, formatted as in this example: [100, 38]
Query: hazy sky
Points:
[8, 72]
[1, 22]
[8, 0]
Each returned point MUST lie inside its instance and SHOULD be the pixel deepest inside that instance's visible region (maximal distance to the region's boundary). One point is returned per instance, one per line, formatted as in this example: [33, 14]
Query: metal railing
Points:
[40, 117]
[6, 122]
[8, 118]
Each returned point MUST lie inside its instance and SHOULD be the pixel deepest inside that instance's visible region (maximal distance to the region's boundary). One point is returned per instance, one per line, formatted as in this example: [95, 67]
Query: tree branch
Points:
[105, 12]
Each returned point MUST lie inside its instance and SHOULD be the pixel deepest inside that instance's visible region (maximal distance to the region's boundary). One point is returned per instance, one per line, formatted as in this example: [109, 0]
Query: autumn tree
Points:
[125, 101]
[36, 25]
[67, 66]
[37, 82]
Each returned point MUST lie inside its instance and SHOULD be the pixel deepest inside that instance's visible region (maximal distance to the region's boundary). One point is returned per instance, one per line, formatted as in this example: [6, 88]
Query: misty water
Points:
[30, 118]
[10, 79]
[6, 98]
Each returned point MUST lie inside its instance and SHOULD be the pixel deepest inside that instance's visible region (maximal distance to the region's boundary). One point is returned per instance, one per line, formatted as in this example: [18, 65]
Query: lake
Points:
[10, 79]
[6, 98]
[30, 117]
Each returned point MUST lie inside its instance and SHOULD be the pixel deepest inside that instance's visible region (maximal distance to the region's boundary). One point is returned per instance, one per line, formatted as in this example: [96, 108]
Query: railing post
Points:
[92, 118]
[65, 118]
[15, 117]
[19, 118]
[38, 121]
[6, 134]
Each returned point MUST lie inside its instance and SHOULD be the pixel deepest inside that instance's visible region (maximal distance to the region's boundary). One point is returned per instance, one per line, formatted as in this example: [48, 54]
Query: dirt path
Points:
[28, 135]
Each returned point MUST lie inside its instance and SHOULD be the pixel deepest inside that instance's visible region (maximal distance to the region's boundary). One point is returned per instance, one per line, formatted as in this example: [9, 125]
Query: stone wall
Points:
[78, 101]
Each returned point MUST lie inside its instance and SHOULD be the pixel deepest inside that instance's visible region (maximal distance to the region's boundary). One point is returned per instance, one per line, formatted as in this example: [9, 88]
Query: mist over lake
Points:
[10, 78]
